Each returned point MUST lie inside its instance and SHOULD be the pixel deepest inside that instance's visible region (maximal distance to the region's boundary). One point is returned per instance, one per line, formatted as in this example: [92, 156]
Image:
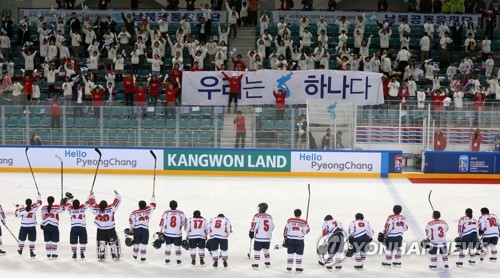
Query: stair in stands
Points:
[229, 130]
[244, 41]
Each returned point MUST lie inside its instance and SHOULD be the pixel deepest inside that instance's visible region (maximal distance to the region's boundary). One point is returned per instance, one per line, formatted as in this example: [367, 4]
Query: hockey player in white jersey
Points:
[333, 230]
[105, 222]
[220, 229]
[489, 225]
[394, 229]
[436, 236]
[361, 234]
[2, 219]
[197, 230]
[28, 224]
[467, 237]
[295, 231]
[139, 227]
[78, 232]
[261, 231]
[172, 222]
[50, 217]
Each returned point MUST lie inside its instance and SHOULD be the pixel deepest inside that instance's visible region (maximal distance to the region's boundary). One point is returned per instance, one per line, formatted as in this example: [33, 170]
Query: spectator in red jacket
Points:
[479, 99]
[234, 90]
[241, 131]
[280, 103]
[154, 89]
[239, 64]
[438, 96]
[476, 140]
[129, 88]
[176, 80]
[97, 99]
[141, 99]
[55, 111]
[28, 82]
[439, 140]
[195, 67]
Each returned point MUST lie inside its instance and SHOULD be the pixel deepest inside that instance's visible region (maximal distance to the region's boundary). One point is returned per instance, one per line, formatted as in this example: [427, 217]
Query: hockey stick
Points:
[250, 249]
[308, 201]
[430, 201]
[97, 168]
[5, 225]
[31, 169]
[62, 175]
[154, 175]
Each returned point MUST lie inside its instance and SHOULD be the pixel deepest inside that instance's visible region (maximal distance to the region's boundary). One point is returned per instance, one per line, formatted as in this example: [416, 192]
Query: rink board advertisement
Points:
[294, 16]
[138, 15]
[209, 88]
[336, 162]
[462, 162]
[227, 160]
[79, 158]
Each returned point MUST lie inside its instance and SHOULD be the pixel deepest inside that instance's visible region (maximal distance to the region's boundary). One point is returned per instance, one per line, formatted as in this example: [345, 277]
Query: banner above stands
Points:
[294, 16]
[210, 89]
[138, 15]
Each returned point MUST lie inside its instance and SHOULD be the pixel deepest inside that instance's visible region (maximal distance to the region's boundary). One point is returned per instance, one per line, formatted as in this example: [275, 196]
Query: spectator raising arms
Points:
[234, 90]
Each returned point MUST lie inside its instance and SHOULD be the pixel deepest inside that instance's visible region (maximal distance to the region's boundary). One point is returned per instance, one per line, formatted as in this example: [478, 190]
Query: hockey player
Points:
[105, 222]
[394, 228]
[262, 230]
[2, 219]
[333, 230]
[361, 234]
[436, 235]
[220, 229]
[78, 233]
[28, 224]
[171, 224]
[50, 226]
[294, 233]
[467, 232]
[489, 225]
[139, 227]
[197, 230]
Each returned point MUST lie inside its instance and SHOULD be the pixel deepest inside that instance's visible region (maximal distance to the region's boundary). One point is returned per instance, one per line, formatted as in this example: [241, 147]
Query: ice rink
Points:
[237, 198]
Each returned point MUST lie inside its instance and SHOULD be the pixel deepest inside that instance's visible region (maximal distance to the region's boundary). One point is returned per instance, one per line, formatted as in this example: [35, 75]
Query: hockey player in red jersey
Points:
[105, 222]
[28, 224]
[50, 226]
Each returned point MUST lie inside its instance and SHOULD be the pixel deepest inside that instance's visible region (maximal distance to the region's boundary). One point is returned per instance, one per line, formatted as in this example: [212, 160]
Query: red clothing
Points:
[55, 110]
[170, 93]
[280, 100]
[385, 86]
[195, 69]
[479, 102]
[404, 94]
[439, 142]
[174, 74]
[154, 88]
[476, 142]
[140, 96]
[438, 101]
[75, 65]
[128, 85]
[27, 84]
[240, 124]
[97, 97]
[234, 83]
[241, 67]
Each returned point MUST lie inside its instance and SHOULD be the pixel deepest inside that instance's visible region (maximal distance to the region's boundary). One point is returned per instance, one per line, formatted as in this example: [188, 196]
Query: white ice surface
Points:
[237, 198]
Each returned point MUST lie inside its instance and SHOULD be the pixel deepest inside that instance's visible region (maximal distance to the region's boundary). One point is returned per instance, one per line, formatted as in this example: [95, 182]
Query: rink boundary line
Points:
[195, 173]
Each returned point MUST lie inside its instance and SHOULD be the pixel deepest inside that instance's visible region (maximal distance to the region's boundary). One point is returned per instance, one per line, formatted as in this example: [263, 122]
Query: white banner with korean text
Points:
[138, 15]
[416, 19]
[256, 88]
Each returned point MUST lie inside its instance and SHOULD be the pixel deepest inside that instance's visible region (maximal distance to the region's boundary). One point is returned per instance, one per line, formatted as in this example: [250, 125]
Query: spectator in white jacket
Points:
[384, 38]
[17, 90]
[425, 47]
[156, 64]
[232, 18]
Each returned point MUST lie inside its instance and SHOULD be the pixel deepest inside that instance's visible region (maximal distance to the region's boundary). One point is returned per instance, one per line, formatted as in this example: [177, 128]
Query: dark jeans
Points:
[233, 97]
[240, 135]
[129, 99]
[56, 121]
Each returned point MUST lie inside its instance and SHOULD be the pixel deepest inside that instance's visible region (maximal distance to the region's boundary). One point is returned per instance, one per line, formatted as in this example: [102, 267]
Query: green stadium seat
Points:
[35, 122]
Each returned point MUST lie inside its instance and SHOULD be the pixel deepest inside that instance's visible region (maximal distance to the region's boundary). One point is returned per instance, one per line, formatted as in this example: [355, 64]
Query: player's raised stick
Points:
[31, 169]
[430, 193]
[97, 168]
[5, 225]
[154, 173]
[62, 175]
[308, 200]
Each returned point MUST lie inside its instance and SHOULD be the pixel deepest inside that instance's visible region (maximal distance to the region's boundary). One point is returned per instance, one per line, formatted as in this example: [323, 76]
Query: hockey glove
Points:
[251, 234]
[41, 226]
[285, 243]
[481, 232]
